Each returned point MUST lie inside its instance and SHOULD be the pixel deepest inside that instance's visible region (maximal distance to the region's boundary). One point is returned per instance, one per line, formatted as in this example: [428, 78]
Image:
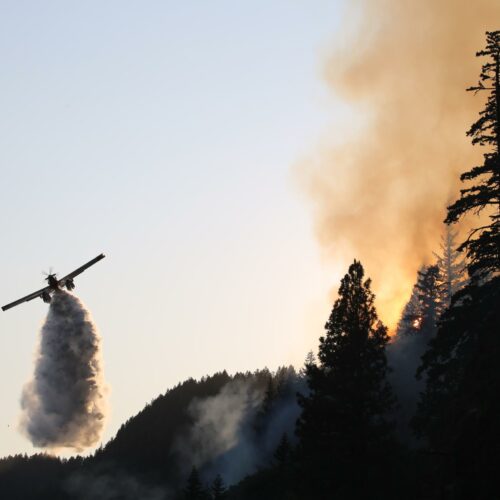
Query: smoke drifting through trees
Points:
[430, 298]
[222, 424]
[236, 431]
[64, 404]
[382, 196]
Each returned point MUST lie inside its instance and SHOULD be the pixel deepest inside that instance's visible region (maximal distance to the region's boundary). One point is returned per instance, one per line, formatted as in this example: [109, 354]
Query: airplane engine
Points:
[46, 297]
[70, 285]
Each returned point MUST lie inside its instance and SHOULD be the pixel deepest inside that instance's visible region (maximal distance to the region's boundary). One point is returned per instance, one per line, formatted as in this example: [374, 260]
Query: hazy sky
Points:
[162, 134]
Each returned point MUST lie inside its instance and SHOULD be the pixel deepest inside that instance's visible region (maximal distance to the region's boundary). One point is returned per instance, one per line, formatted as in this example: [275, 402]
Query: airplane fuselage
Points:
[55, 285]
[53, 282]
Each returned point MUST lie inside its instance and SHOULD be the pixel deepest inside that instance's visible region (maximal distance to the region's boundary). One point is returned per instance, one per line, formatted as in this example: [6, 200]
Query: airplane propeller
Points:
[50, 273]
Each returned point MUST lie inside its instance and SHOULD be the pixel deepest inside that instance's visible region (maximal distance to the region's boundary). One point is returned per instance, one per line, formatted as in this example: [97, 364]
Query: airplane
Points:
[55, 284]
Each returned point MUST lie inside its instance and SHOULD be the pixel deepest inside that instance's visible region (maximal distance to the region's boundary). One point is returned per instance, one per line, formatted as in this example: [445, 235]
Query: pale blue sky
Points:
[164, 135]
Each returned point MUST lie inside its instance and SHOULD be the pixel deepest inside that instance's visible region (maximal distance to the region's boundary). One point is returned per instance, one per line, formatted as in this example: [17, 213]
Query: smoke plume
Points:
[221, 424]
[63, 406]
[381, 196]
[231, 436]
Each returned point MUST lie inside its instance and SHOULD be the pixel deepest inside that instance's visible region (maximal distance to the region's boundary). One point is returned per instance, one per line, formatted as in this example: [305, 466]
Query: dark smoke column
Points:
[64, 404]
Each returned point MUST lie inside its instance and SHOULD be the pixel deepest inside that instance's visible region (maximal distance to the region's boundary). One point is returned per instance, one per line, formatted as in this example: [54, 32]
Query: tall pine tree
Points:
[483, 193]
[451, 266]
[421, 313]
[459, 409]
[343, 430]
[429, 295]
[411, 317]
[218, 489]
[194, 489]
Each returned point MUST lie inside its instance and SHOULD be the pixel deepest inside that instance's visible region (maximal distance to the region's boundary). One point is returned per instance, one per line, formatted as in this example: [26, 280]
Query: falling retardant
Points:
[64, 405]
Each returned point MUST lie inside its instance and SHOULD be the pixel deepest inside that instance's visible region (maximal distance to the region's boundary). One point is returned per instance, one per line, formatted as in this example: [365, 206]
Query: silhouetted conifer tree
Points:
[459, 410]
[421, 313]
[218, 488]
[451, 266]
[458, 413]
[310, 360]
[482, 245]
[194, 489]
[429, 295]
[285, 379]
[411, 317]
[343, 431]
[266, 407]
[269, 396]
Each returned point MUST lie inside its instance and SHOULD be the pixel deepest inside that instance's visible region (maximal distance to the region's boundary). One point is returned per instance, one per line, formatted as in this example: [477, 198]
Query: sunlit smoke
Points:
[63, 406]
[381, 195]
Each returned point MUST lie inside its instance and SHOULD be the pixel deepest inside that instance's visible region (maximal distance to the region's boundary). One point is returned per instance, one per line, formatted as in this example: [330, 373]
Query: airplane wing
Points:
[32, 296]
[80, 270]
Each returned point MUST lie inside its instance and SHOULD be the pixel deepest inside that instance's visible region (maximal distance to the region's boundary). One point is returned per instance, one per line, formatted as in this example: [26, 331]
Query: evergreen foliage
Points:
[343, 430]
[451, 266]
[150, 437]
[194, 489]
[421, 313]
[411, 316]
[417, 326]
[269, 397]
[218, 488]
[429, 295]
[459, 410]
[482, 245]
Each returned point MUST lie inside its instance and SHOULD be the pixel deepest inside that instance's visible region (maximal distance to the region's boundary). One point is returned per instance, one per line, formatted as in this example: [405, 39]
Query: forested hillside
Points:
[222, 424]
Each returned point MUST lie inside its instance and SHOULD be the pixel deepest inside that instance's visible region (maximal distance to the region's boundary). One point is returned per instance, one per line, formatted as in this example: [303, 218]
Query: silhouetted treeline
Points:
[415, 417]
[157, 449]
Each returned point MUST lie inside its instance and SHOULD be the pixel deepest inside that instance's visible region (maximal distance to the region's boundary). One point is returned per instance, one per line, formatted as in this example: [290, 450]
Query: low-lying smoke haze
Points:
[404, 356]
[63, 406]
[220, 425]
[231, 436]
[381, 196]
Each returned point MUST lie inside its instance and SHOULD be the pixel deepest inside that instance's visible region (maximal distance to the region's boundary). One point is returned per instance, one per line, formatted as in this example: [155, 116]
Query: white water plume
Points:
[63, 406]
